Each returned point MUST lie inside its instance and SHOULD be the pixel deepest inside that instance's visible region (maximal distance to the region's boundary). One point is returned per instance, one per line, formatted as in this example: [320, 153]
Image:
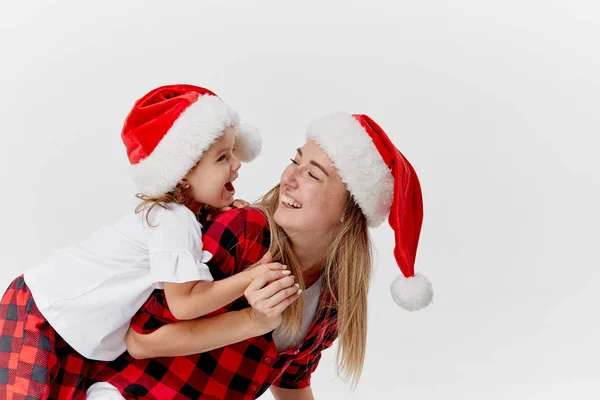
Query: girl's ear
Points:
[184, 183]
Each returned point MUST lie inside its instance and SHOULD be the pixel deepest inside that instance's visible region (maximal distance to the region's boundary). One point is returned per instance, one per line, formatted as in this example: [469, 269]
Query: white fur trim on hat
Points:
[198, 126]
[358, 162]
[248, 143]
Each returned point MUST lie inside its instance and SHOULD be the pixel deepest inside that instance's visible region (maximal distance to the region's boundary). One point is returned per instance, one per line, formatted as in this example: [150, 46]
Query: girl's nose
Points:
[236, 164]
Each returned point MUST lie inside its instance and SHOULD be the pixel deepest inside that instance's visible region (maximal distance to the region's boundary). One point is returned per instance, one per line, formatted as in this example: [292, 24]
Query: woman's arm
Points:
[195, 336]
[269, 294]
[292, 394]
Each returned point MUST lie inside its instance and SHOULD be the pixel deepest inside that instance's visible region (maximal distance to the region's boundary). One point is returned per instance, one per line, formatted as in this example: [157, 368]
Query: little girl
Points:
[184, 144]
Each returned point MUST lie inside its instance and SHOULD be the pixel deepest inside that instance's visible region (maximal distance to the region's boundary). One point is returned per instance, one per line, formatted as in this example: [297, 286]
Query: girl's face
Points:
[211, 179]
[312, 194]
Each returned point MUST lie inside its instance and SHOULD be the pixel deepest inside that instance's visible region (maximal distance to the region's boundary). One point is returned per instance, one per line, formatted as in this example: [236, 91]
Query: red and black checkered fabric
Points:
[35, 362]
[245, 370]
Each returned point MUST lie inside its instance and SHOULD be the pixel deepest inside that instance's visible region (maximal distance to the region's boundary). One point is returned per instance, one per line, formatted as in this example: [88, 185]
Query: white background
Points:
[496, 104]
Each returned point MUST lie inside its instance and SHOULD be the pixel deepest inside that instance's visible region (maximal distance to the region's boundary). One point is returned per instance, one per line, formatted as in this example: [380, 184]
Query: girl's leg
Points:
[27, 344]
[35, 362]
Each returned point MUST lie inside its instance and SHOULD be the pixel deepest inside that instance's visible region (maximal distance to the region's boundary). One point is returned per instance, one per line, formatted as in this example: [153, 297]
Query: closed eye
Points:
[309, 173]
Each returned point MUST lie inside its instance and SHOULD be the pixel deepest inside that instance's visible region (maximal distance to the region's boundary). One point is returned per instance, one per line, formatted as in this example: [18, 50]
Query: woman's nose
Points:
[290, 179]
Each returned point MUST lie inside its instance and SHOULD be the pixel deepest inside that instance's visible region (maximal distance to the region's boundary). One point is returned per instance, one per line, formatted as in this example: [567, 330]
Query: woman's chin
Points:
[286, 220]
[277, 217]
[282, 217]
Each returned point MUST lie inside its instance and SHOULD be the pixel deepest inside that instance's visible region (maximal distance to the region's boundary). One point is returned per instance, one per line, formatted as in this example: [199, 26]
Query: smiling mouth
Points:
[289, 202]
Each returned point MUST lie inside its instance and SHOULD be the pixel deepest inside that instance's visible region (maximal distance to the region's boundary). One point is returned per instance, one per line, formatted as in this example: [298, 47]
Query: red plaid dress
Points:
[244, 370]
[35, 362]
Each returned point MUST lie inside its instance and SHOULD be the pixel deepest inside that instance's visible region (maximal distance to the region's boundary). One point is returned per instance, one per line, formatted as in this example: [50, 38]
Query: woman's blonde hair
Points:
[347, 274]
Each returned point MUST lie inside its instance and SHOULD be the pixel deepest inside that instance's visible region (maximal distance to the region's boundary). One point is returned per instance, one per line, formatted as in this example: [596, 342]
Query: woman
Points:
[346, 177]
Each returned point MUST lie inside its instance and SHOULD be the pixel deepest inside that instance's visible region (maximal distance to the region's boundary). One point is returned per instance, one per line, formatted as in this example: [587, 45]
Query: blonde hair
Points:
[177, 195]
[347, 274]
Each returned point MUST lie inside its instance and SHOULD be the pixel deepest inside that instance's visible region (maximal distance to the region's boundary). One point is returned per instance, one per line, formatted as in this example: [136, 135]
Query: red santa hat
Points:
[383, 183]
[169, 129]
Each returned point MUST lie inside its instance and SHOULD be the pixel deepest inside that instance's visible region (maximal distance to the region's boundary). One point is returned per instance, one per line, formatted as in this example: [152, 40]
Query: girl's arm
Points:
[195, 299]
[236, 238]
[175, 245]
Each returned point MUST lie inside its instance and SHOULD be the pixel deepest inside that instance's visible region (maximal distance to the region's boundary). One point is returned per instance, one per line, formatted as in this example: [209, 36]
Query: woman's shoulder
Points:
[233, 228]
[237, 219]
[236, 238]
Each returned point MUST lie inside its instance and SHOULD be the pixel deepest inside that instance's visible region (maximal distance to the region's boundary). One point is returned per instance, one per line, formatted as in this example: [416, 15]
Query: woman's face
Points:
[312, 196]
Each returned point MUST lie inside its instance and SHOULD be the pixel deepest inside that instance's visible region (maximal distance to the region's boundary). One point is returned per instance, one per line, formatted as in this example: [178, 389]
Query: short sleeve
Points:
[297, 374]
[175, 247]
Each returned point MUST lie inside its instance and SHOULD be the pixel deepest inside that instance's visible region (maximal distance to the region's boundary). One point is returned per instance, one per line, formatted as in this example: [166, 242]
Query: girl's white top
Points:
[89, 292]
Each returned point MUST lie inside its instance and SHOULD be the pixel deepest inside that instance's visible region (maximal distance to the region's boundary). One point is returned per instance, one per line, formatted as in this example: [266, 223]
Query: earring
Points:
[184, 183]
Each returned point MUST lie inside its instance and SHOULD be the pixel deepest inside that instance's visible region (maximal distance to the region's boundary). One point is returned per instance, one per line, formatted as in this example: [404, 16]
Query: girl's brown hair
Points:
[178, 195]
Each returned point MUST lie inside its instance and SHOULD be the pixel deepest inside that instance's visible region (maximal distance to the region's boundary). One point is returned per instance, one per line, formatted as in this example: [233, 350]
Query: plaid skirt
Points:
[35, 362]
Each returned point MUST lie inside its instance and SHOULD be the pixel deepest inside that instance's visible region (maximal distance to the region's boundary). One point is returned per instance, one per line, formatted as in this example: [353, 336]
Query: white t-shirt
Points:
[89, 292]
[310, 299]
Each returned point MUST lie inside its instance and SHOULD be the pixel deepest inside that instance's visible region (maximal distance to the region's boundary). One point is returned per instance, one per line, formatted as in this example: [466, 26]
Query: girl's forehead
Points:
[226, 139]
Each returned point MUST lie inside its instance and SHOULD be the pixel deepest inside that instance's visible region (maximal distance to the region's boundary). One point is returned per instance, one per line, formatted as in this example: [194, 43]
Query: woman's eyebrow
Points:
[316, 164]
[322, 168]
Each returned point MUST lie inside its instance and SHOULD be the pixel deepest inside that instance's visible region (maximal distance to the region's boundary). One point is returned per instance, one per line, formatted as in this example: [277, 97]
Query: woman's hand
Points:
[270, 294]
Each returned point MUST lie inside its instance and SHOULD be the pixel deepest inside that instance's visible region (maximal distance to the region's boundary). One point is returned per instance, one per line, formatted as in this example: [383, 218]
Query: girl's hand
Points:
[265, 264]
[238, 203]
[257, 270]
[211, 214]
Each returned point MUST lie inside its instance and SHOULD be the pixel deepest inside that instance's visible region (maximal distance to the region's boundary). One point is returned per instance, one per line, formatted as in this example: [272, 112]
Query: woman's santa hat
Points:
[383, 183]
[169, 129]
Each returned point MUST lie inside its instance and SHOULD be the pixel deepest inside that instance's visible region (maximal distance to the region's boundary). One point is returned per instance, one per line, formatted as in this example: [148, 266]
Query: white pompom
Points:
[248, 143]
[412, 294]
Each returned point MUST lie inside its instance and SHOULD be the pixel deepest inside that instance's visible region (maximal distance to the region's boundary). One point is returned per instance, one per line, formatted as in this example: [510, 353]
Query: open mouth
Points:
[229, 187]
[289, 202]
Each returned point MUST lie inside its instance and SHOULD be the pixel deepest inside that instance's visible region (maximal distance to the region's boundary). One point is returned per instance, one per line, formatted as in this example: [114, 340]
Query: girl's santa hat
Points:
[383, 183]
[169, 129]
